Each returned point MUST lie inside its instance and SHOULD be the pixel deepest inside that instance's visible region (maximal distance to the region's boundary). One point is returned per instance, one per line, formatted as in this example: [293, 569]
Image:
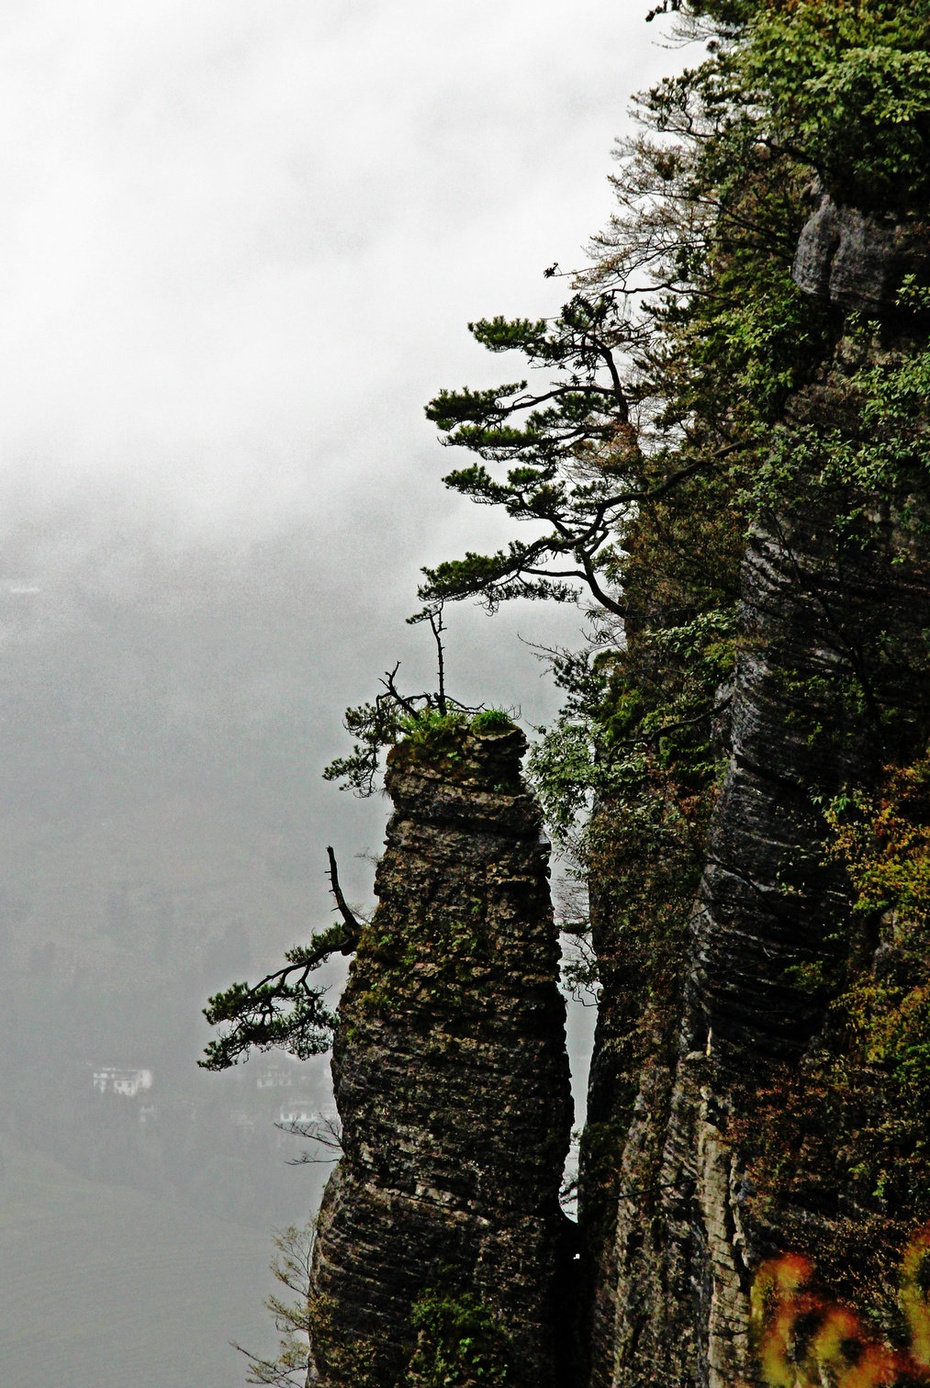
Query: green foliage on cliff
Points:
[440, 739]
[283, 1010]
[460, 1344]
[848, 87]
[686, 336]
[845, 87]
[688, 392]
[883, 841]
[653, 423]
[429, 727]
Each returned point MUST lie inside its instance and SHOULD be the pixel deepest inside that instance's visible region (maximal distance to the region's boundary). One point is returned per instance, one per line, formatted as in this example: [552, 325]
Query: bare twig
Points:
[326, 1130]
[352, 924]
[406, 704]
[437, 627]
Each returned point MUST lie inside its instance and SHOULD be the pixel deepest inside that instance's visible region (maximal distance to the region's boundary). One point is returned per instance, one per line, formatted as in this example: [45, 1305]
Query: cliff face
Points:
[451, 1078]
[760, 1089]
[744, 1130]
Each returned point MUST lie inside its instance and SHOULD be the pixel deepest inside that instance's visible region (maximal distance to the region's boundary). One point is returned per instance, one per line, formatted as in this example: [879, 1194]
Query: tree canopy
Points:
[684, 336]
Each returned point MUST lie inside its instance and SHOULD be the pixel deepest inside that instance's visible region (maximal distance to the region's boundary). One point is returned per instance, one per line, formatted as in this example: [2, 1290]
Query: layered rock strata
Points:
[831, 685]
[450, 1075]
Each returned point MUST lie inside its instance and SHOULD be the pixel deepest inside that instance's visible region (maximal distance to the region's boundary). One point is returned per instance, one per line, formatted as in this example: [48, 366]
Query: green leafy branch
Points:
[284, 1009]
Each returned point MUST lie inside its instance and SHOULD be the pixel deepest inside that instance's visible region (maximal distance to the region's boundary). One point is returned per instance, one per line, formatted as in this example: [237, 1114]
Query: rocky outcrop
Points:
[771, 912]
[858, 260]
[724, 1131]
[451, 1077]
[829, 688]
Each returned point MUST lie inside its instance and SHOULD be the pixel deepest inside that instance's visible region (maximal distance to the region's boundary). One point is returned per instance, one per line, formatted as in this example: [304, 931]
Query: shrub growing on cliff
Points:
[284, 1009]
[848, 88]
[460, 1344]
[883, 840]
[291, 1268]
[428, 733]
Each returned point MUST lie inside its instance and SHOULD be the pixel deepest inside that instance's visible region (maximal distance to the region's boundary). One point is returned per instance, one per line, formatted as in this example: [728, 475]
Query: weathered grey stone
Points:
[858, 259]
[672, 1281]
[451, 1077]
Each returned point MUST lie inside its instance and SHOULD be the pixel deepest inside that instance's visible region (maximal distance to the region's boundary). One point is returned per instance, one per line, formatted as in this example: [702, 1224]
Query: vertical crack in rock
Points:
[451, 1076]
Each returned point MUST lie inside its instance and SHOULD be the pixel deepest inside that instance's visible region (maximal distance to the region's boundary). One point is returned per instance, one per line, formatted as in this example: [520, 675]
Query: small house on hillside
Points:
[298, 1114]
[274, 1077]
[111, 1079]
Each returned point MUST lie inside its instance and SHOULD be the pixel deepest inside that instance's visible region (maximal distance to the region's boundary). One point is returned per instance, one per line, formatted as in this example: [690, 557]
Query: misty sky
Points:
[239, 245]
[240, 241]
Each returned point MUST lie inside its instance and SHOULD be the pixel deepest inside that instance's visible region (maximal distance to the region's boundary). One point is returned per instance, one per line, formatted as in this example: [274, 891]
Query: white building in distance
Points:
[110, 1079]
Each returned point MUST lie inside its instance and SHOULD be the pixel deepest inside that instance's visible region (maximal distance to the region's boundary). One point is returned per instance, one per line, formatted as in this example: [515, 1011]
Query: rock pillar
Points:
[451, 1076]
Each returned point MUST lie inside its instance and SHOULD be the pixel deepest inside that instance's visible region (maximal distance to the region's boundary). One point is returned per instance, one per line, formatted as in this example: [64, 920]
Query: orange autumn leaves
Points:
[803, 1340]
